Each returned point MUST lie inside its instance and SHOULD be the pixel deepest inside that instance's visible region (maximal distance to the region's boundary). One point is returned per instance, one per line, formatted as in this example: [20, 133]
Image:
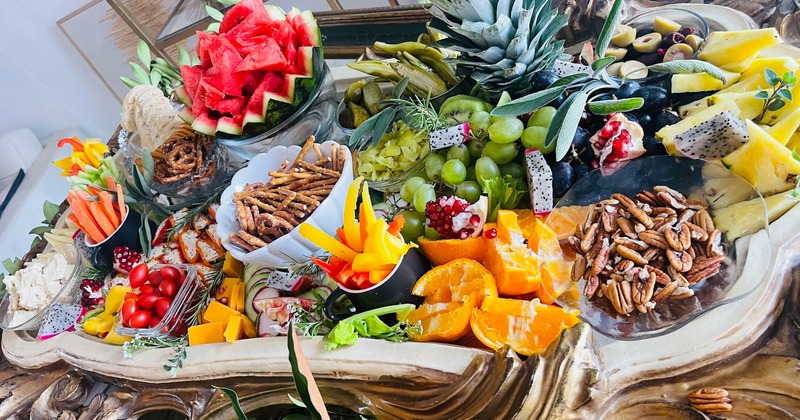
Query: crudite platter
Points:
[483, 222]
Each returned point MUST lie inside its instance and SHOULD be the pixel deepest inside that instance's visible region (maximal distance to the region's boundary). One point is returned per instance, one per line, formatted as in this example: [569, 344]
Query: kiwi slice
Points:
[458, 109]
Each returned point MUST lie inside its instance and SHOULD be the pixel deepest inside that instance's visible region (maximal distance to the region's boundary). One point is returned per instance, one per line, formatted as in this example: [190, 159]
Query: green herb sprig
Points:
[177, 344]
[154, 71]
[369, 325]
[379, 123]
[780, 94]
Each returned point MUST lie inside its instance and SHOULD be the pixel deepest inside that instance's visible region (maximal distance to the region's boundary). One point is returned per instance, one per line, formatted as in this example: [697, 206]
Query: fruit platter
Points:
[485, 222]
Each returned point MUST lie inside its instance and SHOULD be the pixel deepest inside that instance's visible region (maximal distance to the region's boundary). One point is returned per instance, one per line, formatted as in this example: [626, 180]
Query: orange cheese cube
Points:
[217, 312]
[207, 333]
[234, 330]
[233, 296]
[248, 327]
[224, 289]
[240, 298]
[232, 267]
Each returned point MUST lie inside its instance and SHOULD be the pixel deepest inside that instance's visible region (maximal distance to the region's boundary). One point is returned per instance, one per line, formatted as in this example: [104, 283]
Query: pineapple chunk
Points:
[763, 162]
[668, 133]
[794, 142]
[779, 65]
[701, 82]
[685, 111]
[745, 84]
[783, 131]
[748, 104]
[747, 217]
[736, 50]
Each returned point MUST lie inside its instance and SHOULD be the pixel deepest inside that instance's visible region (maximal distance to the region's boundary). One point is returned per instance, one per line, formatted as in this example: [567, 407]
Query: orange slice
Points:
[564, 219]
[514, 267]
[447, 325]
[443, 251]
[554, 268]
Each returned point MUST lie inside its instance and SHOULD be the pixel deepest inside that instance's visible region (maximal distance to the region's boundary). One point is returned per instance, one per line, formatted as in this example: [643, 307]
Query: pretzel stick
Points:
[252, 240]
[318, 151]
[306, 147]
[334, 159]
[241, 243]
[315, 168]
[260, 204]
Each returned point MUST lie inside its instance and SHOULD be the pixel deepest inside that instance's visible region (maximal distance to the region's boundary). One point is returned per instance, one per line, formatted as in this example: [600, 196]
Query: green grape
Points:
[475, 148]
[414, 225]
[500, 153]
[512, 168]
[469, 190]
[431, 233]
[542, 117]
[433, 165]
[454, 171]
[422, 196]
[459, 152]
[471, 174]
[479, 122]
[485, 168]
[533, 138]
[409, 187]
[506, 130]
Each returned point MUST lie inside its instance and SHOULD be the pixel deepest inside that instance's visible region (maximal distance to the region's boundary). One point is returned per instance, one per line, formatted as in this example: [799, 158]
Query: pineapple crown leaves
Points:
[501, 42]
[583, 87]
[154, 71]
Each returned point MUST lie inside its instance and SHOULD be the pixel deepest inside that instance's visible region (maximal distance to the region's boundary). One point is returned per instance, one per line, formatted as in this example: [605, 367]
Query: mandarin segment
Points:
[444, 326]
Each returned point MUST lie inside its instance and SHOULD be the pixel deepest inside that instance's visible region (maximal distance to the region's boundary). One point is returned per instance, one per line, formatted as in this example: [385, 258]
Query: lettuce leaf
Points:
[504, 193]
[369, 325]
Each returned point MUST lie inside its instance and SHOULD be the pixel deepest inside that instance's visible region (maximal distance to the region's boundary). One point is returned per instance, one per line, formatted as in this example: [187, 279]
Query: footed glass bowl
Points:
[746, 258]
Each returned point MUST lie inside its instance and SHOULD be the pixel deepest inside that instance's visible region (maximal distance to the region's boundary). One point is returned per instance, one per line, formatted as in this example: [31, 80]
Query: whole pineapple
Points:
[502, 43]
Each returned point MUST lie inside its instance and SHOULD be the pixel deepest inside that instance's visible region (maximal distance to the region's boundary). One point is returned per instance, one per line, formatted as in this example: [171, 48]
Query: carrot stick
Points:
[81, 211]
[110, 184]
[121, 200]
[100, 218]
[108, 208]
[93, 190]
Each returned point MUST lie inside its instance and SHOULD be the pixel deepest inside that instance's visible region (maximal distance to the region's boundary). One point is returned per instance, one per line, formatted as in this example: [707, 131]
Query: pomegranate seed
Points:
[430, 207]
[606, 131]
[490, 233]
[475, 220]
[624, 135]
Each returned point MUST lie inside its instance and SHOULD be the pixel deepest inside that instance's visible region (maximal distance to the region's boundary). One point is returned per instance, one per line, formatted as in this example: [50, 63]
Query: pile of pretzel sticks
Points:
[267, 211]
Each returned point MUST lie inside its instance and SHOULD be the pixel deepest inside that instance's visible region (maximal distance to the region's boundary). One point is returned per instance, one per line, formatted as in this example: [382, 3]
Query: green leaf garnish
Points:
[214, 13]
[613, 19]
[685, 67]
[528, 103]
[781, 92]
[369, 325]
[143, 52]
[234, 397]
[503, 193]
[602, 63]
[615, 105]
[303, 379]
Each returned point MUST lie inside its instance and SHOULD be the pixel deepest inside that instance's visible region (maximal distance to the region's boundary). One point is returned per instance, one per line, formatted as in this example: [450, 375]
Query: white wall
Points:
[45, 84]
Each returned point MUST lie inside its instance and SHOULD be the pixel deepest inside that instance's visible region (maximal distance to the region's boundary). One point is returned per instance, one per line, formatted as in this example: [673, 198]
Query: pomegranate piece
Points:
[92, 293]
[125, 259]
[619, 140]
[455, 218]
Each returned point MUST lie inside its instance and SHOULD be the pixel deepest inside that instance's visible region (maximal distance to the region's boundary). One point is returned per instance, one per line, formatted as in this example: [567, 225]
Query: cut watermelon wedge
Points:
[268, 57]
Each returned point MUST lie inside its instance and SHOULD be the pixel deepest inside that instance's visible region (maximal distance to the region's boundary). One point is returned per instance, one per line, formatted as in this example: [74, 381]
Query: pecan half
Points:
[631, 243]
[635, 211]
[623, 266]
[619, 293]
[600, 260]
[704, 221]
[578, 267]
[626, 227]
[661, 277]
[710, 400]
[648, 197]
[698, 233]
[654, 238]
[589, 237]
[630, 254]
[714, 243]
[665, 292]
[681, 262]
[671, 200]
[591, 286]
[643, 288]
[609, 218]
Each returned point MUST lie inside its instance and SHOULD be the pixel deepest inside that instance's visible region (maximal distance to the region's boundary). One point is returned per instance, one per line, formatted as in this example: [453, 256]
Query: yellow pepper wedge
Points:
[352, 231]
[87, 153]
[327, 242]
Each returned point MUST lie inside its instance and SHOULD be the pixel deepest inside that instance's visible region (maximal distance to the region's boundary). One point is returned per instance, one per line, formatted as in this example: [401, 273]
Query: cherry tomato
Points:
[147, 289]
[168, 288]
[128, 308]
[180, 329]
[154, 320]
[147, 301]
[155, 278]
[131, 295]
[162, 306]
[138, 275]
[169, 272]
[139, 319]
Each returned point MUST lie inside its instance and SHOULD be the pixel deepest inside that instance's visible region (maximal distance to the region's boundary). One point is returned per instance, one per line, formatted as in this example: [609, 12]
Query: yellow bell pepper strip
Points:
[326, 242]
[351, 228]
[366, 204]
[89, 152]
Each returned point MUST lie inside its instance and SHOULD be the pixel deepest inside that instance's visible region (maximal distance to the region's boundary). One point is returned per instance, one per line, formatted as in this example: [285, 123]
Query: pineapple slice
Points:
[794, 142]
[701, 82]
[747, 217]
[685, 111]
[763, 162]
[779, 65]
[736, 50]
[783, 131]
[668, 133]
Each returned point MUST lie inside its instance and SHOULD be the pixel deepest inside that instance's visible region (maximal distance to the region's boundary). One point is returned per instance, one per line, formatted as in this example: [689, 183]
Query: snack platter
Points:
[601, 236]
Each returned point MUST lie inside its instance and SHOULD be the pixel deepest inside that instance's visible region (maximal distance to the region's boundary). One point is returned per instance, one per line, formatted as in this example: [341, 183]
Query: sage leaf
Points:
[687, 67]
[148, 166]
[128, 81]
[570, 124]
[214, 27]
[303, 379]
[570, 80]
[234, 397]
[615, 105]
[363, 129]
[602, 63]
[50, 211]
[140, 73]
[214, 13]
[143, 51]
[400, 87]
[528, 103]
[613, 19]
[382, 123]
[155, 77]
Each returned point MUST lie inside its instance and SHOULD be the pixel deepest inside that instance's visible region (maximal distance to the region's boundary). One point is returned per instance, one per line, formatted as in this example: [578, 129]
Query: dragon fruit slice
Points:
[540, 181]
[451, 136]
[455, 218]
[713, 138]
[61, 317]
[565, 68]
[289, 282]
[618, 141]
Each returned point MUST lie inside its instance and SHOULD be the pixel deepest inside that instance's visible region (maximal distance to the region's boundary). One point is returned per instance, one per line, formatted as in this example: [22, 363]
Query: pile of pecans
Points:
[267, 211]
[184, 154]
[641, 251]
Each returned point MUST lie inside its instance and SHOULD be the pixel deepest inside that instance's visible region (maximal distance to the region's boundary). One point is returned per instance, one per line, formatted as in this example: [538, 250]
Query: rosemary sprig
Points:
[212, 283]
[781, 91]
[311, 322]
[177, 344]
[197, 207]
[420, 114]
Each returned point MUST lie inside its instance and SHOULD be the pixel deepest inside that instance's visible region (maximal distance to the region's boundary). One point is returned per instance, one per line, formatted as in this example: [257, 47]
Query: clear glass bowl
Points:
[187, 188]
[698, 180]
[393, 184]
[69, 293]
[315, 117]
[643, 22]
[183, 300]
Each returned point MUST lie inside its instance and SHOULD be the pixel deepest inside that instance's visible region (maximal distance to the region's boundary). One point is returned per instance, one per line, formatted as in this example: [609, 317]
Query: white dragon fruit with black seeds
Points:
[451, 136]
[618, 141]
[289, 282]
[60, 317]
[713, 138]
[540, 181]
[565, 68]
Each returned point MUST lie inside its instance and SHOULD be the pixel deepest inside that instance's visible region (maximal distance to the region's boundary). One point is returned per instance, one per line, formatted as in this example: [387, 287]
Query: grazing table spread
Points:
[485, 223]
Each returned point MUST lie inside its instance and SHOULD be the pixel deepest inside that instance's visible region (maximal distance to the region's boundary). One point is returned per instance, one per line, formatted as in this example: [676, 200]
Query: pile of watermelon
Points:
[258, 69]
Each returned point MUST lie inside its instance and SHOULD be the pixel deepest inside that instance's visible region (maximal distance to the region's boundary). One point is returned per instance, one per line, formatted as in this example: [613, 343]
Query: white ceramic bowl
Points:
[292, 247]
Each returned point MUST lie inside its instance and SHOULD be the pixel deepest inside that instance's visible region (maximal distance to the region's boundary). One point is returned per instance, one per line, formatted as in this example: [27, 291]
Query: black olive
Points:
[655, 97]
[542, 79]
[627, 89]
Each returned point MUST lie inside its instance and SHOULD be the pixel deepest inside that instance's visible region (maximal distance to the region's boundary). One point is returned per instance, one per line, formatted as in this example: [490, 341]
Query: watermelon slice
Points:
[305, 25]
[268, 57]
[203, 43]
[229, 105]
[191, 78]
[231, 125]
[272, 82]
[235, 16]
